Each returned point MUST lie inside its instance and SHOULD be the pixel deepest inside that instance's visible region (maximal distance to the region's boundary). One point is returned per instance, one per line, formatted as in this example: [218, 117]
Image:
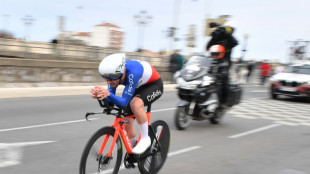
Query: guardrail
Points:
[42, 50]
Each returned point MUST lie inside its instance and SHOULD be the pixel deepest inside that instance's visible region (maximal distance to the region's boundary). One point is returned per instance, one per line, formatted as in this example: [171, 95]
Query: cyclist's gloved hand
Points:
[93, 92]
[99, 92]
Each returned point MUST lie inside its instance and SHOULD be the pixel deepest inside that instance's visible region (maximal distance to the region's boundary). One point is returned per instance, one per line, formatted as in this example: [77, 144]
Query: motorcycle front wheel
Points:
[181, 119]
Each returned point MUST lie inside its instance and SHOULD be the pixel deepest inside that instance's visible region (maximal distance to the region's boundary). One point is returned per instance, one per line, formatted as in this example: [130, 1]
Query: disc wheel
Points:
[152, 160]
[92, 162]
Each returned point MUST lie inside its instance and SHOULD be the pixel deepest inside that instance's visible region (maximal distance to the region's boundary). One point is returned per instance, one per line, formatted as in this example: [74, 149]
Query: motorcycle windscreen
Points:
[196, 67]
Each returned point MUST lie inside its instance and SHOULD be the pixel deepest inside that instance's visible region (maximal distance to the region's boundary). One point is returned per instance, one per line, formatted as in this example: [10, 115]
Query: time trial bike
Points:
[103, 152]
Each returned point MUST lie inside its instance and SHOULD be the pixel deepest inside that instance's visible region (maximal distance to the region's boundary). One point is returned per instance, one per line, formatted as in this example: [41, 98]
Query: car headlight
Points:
[191, 85]
[206, 81]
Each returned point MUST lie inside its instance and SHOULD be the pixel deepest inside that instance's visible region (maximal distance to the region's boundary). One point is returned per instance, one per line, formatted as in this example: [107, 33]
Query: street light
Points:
[142, 19]
[244, 49]
[28, 22]
[175, 23]
[5, 22]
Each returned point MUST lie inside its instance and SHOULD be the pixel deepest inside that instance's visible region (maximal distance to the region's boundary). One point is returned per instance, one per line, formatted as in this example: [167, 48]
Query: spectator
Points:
[251, 66]
[237, 70]
[265, 69]
[176, 63]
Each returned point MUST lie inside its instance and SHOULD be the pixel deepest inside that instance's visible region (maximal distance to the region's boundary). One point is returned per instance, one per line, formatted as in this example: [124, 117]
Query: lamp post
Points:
[175, 23]
[28, 20]
[5, 22]
[79, 17]
[142, 19]
[244, 49]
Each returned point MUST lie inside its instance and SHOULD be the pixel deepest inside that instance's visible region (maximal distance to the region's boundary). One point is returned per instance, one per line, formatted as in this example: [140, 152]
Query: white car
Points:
[294, 82]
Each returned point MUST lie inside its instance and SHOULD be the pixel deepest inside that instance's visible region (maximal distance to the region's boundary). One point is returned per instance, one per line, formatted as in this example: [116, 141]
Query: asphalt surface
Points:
[259, 136]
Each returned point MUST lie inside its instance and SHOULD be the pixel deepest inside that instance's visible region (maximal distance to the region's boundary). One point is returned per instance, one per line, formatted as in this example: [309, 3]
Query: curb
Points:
[57, 91]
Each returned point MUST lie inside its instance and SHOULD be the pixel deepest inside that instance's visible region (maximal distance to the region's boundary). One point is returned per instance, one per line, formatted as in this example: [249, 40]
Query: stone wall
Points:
[21, 72]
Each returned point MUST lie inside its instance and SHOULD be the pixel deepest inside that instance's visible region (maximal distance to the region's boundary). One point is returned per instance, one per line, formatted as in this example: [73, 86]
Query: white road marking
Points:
[264, 91]
[11, 153]
[44, 125]
[66, 122]
[159, 110]
[169, 155]
[183, 150]
[254, 131]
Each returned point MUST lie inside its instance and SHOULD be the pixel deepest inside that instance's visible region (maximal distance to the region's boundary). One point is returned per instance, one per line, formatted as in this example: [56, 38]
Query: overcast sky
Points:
[270, 24]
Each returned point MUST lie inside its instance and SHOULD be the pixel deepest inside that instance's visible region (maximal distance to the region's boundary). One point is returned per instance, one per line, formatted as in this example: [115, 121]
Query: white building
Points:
[104, 35]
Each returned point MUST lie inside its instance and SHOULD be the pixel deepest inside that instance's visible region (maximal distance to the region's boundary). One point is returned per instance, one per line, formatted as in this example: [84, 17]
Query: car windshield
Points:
[299, 69]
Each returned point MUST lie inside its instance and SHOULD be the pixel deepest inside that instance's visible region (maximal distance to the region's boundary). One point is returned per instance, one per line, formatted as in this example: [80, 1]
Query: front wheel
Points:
[181, 119]
[155, 157]
[273, 95]
[93, 162]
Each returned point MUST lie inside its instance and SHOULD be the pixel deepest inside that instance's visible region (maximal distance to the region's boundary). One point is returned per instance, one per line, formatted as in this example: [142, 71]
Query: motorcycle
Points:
[198, 87]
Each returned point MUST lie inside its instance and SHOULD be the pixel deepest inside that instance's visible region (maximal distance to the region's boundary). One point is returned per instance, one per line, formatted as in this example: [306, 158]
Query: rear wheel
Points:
[153, 159]
[181, 119]
[218, 115]
[92, 162]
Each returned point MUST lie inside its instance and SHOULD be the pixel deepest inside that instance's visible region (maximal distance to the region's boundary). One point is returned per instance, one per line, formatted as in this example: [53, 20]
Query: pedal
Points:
[129, 161]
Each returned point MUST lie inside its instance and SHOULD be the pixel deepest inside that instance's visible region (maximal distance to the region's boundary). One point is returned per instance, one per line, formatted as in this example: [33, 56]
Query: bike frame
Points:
[120, 129]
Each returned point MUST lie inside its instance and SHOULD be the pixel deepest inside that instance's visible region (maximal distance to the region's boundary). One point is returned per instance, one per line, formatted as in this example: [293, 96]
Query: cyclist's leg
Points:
[129, 127]
[137, 107]
[145, 95]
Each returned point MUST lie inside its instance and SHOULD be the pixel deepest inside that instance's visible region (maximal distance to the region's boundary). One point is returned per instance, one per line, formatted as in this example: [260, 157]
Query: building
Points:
[105, 35]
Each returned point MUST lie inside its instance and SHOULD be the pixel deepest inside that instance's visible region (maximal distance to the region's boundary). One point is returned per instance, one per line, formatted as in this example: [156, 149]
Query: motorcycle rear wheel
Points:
[181, 119]
[217, 118]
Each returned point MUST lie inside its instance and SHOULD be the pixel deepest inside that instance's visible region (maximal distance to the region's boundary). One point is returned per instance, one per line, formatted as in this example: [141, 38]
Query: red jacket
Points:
[265, 69]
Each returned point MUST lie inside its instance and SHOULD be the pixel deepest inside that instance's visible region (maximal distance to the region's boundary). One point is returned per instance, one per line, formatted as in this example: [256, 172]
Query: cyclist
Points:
[143, 86]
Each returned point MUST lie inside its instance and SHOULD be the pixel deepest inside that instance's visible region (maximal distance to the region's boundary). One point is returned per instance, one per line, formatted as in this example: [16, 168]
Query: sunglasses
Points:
[112, 77]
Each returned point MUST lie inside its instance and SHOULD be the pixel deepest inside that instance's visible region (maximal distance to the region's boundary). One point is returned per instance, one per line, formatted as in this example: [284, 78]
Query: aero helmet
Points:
[217, 51]
[112, 67]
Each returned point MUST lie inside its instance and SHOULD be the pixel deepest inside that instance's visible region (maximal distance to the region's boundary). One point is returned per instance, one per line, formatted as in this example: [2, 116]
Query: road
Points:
[259, 136]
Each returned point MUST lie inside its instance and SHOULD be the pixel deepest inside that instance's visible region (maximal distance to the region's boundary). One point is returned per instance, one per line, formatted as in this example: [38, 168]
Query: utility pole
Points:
[175, 23]
[191, 38]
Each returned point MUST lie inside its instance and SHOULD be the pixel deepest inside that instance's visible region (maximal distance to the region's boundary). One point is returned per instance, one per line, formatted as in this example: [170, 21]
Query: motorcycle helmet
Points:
[217, 51]
[112, 67]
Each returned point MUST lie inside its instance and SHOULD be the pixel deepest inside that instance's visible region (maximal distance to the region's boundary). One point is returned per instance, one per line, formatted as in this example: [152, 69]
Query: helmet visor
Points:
[112, 76]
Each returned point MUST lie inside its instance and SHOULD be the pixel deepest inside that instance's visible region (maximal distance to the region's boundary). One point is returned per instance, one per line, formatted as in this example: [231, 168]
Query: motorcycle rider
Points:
[220, 47]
